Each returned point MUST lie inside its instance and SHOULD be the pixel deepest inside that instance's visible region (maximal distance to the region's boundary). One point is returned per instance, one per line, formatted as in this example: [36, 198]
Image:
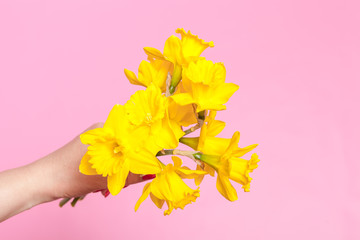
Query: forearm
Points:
[49, 178]
[21, 189]
[52, 177]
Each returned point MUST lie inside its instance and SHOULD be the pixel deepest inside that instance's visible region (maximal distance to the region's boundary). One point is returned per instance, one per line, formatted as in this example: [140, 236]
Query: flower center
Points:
[118, 149]
[148, 118]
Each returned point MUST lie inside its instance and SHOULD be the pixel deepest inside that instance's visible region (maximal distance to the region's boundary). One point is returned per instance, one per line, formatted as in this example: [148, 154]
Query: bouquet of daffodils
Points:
[183, 91]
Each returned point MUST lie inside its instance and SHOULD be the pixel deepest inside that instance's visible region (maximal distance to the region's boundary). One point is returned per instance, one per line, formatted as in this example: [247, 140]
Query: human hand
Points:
[68, 182]
[52, 177]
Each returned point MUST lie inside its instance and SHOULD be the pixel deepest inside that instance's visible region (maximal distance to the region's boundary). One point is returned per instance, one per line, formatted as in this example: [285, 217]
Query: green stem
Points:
[64, 201]
[192, 129]
[197, 155]
[165, 152]
[73, 203]
[189, 154]
[201, 118]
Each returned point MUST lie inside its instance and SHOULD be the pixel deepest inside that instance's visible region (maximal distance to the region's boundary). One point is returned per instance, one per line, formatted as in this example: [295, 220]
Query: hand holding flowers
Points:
[183, 90]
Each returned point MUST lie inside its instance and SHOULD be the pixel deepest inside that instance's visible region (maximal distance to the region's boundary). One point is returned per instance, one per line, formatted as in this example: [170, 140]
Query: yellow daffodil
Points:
[179, 52]
[114, 151]
[183, 89]
[204, 83]
[208, 144]
[148, 112]
[209, 130]
[169, 187]
[155, 72]
[228, 165]
[180, 116]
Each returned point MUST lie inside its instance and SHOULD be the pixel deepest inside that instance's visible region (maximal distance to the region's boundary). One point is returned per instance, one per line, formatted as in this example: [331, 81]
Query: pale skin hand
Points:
[50, 178]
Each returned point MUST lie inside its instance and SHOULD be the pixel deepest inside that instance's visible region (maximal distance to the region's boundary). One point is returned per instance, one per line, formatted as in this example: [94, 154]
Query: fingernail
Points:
[106, 193]
[149, 176]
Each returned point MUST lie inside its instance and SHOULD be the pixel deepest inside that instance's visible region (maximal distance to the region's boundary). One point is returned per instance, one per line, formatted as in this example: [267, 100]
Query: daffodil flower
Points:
[209, 130]
[204, 83]
[169, 187]
[114, 151]
[228, 165]
[211, 145]
[156, 71]
[179, 52]
[147, 111]
[182, 89]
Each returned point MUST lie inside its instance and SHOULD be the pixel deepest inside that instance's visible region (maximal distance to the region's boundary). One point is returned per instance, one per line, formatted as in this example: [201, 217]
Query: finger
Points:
[131, 179]
[105, 192]
[136, 178]
[148, 177]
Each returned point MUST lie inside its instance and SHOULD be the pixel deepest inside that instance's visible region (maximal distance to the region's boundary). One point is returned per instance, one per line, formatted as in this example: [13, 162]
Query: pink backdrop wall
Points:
[297, 64]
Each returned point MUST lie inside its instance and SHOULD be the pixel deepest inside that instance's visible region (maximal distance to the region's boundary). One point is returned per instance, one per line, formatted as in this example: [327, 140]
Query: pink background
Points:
[297, 64]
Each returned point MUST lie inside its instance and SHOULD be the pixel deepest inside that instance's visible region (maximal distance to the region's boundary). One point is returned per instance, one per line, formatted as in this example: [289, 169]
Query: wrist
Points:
[41, 182]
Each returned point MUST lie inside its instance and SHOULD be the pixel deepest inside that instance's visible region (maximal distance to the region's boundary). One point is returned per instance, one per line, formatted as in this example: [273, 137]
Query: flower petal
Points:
[117, 181]
[92, 136]
[198, 179]
[203, 105]
[161, 189]
[145, 73]
[173, 50]
[241, 169]
[143, 196]
[183, 115]
[160, 70]
[103, 159]
[239, 152]
[183, 98]
[143, 162]
[132, 78]
[177, 161]
[214, 126]
[225, 188]
[224, 92]
[215, 145]
[153, 53]
[192, 45]
[158, 202]
[85, 167]
[117, 120]
[166, 137]
[176, 128]
[189, 174]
